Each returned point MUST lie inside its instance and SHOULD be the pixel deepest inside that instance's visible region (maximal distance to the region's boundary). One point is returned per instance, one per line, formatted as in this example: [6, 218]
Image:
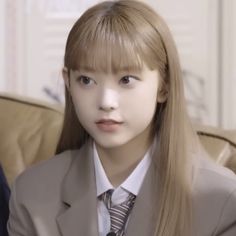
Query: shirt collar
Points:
[102, 182]
[134, 181]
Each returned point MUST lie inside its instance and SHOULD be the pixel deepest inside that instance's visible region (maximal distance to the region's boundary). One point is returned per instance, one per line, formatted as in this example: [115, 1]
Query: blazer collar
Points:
[143, 218]
[79, 196]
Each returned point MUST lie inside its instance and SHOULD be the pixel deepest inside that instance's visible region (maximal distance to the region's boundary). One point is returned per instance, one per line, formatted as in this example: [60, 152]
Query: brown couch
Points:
[29, 130]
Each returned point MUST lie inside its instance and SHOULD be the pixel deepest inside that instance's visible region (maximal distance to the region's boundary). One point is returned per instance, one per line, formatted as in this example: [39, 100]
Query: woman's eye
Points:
[85, 80]
[128, 80]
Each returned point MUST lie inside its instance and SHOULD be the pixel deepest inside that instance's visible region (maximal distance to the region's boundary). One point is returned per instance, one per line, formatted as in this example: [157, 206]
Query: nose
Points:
[108, 100]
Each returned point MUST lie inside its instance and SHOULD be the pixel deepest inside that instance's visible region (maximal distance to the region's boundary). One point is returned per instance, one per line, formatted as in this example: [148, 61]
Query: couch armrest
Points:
[220, 144]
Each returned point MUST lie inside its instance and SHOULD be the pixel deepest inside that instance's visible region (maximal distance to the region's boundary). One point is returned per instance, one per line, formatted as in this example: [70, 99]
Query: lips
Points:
[108, 121]
[108, 125]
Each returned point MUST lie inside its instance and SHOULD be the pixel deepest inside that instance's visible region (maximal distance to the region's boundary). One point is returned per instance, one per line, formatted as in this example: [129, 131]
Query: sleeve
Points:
[227, 223]
[19, 223]
[4, 201]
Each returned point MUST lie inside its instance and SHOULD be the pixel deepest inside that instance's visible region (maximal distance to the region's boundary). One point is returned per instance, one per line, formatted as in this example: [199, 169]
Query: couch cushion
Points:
[29, 132]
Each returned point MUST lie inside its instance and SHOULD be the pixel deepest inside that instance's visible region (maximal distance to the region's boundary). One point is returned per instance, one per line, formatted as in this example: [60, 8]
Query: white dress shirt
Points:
[131, 185]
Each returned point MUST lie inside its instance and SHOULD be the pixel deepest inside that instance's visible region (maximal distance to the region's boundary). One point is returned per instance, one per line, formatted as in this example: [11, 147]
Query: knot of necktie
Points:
[118, 213]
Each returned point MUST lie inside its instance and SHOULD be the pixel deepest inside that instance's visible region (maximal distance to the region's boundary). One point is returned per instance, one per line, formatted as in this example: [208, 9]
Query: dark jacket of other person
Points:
[4, 200]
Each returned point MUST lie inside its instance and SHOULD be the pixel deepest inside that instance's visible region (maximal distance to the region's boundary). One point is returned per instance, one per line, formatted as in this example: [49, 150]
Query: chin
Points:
[108, 143]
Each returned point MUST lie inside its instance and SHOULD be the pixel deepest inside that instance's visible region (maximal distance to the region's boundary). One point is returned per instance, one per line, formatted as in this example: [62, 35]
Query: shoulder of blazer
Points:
[47, 174]
[212, 176]
[214, 190]
[227, 220]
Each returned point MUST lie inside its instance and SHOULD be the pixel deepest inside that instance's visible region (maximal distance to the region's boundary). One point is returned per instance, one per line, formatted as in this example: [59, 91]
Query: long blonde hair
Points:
[116, 34]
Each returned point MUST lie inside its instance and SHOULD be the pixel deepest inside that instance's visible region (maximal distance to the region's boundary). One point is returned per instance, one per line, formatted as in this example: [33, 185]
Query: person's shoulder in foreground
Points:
[37, 192]
[214, 202]
[4, 198]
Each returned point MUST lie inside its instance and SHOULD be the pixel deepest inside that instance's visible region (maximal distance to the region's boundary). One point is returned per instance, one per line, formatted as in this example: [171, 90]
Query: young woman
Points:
[126, 141]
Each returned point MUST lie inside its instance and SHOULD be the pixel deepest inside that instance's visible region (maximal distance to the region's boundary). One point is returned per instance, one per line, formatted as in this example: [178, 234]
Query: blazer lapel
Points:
[143, 218]
[79, 196]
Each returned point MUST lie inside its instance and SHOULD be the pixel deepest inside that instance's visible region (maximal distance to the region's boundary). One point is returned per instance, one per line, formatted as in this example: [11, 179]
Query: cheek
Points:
[146, 97]
[140, 106]
[149, 99]
[82, 102]
[148, 108]
[148, 102]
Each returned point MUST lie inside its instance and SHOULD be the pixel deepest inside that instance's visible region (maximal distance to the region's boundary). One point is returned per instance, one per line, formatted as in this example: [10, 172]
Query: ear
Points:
[65, 74]
[163, 92]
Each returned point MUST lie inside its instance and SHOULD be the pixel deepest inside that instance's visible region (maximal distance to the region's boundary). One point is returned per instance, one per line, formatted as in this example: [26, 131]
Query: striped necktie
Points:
[118, 213]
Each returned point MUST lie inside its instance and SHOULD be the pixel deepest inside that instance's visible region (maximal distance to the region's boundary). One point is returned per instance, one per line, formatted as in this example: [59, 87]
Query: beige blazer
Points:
[58, 198]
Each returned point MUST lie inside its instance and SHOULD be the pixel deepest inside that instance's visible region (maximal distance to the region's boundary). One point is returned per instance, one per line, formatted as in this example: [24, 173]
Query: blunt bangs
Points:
[110, 43]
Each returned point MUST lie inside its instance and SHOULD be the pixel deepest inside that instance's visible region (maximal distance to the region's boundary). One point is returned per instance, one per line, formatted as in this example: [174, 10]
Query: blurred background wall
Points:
[33, 35]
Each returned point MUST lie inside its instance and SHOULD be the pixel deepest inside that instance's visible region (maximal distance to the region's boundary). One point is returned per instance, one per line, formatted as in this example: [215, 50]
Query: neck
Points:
[119, 162]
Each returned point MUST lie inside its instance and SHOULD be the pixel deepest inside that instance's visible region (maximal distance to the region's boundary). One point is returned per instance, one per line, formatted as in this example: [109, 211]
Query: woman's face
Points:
[115, 108]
